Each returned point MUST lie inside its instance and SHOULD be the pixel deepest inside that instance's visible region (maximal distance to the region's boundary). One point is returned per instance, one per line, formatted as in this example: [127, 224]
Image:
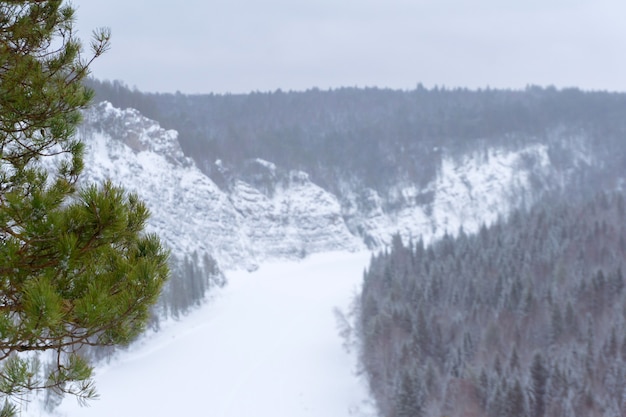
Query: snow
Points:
[266, 345]
[467, 191]
[482, 187]
[242, 225]
[239, 228]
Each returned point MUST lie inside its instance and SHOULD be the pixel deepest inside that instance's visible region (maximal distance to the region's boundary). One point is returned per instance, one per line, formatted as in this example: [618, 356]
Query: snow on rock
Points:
[297, 219]
[479, 188]
[189, 212]
[263, 212]
[467, 192]
[240, 228]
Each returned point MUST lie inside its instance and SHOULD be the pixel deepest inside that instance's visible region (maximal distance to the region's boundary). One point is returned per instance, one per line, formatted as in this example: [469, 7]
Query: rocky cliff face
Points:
[239, 227]
[263, 212]
[467, 192]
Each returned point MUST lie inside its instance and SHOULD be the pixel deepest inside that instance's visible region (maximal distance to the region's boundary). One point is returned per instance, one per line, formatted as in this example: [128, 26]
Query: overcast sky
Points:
[220, 46]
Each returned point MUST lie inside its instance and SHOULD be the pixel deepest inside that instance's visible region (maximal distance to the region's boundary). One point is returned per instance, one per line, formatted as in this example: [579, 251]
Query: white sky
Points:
[199, 46]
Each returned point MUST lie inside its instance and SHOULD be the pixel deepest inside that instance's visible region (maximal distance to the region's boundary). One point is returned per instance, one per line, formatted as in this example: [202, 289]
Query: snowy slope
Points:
[274, 214]
[239, 228]
[267, 346]
[297, 219]
[467, 192]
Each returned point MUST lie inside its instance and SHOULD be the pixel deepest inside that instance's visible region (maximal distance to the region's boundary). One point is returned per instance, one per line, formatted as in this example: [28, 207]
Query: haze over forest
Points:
[497, 217]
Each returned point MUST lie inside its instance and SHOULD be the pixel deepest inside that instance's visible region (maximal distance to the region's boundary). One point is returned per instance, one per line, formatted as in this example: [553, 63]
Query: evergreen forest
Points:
[525, 318]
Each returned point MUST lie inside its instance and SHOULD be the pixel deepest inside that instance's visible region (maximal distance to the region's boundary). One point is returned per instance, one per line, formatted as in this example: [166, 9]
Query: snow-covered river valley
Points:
[265, 346]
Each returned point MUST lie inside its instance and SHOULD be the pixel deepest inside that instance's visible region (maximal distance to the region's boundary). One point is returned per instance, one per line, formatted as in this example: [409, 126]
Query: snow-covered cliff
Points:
[239, 228]
[467, 192]
[278, 214]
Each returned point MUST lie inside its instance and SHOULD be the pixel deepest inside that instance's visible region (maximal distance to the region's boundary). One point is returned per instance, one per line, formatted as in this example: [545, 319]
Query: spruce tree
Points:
[409, 398]
[515, 403]
[538, 388]
[76, 268]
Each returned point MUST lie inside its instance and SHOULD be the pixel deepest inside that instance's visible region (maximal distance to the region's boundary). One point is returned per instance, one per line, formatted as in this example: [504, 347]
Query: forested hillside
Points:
[377, 137]
[525, 318]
